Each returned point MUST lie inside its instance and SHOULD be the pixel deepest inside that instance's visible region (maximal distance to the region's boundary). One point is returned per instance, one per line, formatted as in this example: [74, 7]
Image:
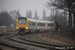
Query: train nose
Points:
[22, 26]
[22, 29]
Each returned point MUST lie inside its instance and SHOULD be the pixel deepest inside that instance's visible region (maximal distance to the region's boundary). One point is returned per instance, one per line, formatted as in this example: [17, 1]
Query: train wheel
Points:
[29, 32]
[19, 33]
[37, 31]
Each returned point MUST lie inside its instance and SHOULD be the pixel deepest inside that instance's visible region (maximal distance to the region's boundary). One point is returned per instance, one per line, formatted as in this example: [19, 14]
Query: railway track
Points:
[16, 45]
[36, 44]
[4, 46]
[20, 40]
[16, 39]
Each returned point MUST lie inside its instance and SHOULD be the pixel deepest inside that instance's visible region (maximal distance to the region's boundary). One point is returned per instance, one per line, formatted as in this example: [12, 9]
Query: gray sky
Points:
[23, 5]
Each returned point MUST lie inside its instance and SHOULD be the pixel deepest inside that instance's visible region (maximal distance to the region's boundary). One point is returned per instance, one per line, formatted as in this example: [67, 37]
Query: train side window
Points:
[33, 23]
[38, 24]
[41, 24]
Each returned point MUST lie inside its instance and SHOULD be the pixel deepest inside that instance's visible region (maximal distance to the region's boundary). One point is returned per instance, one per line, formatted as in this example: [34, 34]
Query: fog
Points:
[23, 5]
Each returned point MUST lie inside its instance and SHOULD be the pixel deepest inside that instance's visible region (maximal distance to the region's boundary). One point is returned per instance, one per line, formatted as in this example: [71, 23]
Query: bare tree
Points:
[18, 14]
[15, 14]
[35, 15]
[60, 21]
[28, 14]
[44, 15]
[5, 19]
[65, 5]
[59, 17]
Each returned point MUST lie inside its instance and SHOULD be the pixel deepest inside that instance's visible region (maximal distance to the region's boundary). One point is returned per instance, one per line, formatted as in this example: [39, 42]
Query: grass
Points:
[35, 37]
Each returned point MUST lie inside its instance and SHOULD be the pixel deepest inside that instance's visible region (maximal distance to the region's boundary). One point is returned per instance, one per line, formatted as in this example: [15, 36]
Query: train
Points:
[24, 24]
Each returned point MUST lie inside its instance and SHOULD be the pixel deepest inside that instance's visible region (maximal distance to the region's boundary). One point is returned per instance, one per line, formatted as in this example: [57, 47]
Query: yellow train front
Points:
[22, 24]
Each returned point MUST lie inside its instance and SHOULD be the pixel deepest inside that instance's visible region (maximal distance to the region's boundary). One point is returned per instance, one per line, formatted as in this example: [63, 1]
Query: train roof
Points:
[22, 17]
[33, 20]
[37, 20]
[41, 21]
[50, 22]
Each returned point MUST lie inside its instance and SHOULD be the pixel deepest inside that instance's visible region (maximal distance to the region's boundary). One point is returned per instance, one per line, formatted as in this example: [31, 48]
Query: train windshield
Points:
[22, 21]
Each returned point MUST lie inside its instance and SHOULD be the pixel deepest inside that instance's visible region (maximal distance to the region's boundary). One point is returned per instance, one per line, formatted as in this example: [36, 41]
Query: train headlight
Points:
[17, 28]
[26, 27]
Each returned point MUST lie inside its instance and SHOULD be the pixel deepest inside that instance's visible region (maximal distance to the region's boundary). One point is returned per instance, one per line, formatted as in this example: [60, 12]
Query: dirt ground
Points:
[56, 38]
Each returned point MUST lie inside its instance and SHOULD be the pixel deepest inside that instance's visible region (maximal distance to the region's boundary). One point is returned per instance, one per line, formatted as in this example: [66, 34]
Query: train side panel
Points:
[51, 25]
[40, 25]
[32, 25]
[46, 26]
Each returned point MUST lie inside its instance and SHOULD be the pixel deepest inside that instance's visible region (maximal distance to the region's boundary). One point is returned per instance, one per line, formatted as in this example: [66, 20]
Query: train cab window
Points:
[22, 21]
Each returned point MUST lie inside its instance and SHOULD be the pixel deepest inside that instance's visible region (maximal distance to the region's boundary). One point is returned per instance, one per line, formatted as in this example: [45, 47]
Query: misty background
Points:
[13, 9]
[62, 12]
[24, 5]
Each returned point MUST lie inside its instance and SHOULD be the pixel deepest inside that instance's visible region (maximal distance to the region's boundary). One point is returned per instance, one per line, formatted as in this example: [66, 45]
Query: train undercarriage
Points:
[25, 31]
